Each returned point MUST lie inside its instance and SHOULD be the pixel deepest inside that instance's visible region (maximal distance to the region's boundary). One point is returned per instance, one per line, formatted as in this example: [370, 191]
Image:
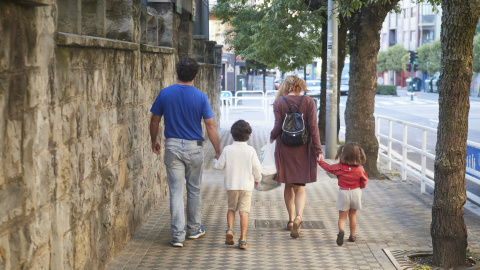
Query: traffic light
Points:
[409, 67]
[415, 67]
[413, 57]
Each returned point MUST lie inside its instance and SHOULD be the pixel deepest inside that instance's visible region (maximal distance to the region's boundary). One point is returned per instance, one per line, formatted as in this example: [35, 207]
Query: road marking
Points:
[433, 120]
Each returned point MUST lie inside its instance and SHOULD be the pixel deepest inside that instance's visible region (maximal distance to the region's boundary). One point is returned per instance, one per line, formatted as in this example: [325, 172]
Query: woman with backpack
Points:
[295, 159]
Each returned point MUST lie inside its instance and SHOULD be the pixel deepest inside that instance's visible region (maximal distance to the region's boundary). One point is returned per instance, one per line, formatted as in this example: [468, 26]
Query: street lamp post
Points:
[332, 58]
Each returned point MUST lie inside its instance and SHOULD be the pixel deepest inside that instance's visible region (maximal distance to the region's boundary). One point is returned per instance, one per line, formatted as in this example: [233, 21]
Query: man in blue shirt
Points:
[183, 107]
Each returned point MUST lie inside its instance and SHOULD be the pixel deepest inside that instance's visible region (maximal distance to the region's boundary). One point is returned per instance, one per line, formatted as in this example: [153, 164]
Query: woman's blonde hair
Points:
[292, 83]
[351, 154]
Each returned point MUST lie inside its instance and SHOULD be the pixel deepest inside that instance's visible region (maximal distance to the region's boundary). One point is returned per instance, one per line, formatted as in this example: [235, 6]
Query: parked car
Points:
[313, 87]
[278, 83]
[344, 89]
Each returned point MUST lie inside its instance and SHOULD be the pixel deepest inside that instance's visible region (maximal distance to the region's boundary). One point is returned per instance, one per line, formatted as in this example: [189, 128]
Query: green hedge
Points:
[386, 90]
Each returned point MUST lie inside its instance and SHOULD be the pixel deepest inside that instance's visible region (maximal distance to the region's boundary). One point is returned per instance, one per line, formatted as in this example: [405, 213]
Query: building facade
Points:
[415, 25]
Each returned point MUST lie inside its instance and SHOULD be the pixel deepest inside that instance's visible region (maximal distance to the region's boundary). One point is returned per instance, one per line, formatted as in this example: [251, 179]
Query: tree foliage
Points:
[429, 56]
[391, 59]
[394, 57]
[283, 34]
[382, 61]
[476, 53]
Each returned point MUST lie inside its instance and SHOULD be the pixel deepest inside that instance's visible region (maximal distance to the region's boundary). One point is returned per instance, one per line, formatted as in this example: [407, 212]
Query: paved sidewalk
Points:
[394, 217]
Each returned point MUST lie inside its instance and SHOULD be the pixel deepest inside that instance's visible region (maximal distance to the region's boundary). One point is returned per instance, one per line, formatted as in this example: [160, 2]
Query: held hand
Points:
[271, 141]
[256, 184]
[320, 157]
[217, 155]
[156, 147]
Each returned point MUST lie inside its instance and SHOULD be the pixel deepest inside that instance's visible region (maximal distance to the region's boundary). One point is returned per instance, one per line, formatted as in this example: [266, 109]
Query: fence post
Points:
[424, 160]
[389, 163]
[377, 128]
[404, 152]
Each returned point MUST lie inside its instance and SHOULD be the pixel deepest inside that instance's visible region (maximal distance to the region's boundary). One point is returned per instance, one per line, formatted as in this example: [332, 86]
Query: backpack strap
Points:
[290, 105]
[300, 102]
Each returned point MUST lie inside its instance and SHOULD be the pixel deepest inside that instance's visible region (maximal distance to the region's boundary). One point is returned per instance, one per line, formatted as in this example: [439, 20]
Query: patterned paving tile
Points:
[394, 216]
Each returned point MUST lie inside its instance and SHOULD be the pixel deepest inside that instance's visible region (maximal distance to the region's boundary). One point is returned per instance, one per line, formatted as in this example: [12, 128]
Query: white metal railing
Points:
[255, 100]
[420, 171]
[269, 99]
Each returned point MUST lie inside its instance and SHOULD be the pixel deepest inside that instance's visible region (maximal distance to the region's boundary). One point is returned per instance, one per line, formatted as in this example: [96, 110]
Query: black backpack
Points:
[294, 128]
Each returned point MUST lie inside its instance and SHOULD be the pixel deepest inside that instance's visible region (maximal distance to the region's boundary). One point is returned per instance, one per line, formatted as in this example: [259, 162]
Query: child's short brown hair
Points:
[241, 131]
[351, 154]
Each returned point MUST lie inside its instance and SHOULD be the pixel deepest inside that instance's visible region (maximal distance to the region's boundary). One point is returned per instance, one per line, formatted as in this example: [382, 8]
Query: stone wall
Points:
[77, 174]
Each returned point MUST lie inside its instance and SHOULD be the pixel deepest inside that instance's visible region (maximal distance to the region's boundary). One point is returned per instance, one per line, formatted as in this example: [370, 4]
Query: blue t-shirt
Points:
[182, 108]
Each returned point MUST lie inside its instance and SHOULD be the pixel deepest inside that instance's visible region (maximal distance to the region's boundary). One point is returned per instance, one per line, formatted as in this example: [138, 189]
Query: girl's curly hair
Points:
[351, 154]
[292, 83]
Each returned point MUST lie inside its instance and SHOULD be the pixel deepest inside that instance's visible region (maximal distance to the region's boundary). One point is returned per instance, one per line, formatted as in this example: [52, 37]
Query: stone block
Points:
[13, 149]
[5, 253]
[105, 139]
[218, 55]
[56, 126]
[81, 115]
[43, 188]
[85, 162]
[210, 51]
[199, 50]
[93, 18]
[41, 260]
[120, 16]
[119, 143]
[122, 173]
[42, 228]
[69, 122]
[40, 130]
[11, 200]
[153, 24]
[38, 89]
[64, 171]
[185, 36]
[83, 243]
[168, 33]
[21, 246]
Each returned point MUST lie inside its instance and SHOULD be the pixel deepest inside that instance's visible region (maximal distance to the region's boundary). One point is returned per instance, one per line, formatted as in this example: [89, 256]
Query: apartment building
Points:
[415, 25]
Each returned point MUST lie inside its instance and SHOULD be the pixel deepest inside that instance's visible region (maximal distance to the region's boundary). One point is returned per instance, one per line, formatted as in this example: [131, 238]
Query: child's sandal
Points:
[242, 244]
[229, 237]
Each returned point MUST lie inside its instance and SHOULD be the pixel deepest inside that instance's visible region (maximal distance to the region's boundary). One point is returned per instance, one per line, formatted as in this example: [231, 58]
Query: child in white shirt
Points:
[242, 174]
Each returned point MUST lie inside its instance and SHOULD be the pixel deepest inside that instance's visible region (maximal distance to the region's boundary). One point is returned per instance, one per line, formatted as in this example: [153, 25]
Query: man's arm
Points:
[154, 122]
[213, 136]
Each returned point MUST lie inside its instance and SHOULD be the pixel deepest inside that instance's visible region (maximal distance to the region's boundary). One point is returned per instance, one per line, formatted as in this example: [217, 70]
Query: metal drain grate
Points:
[282, 224]
[400, 258]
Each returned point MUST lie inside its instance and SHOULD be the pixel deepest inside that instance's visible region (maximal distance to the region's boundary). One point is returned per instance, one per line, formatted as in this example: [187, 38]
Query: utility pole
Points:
[332, 59]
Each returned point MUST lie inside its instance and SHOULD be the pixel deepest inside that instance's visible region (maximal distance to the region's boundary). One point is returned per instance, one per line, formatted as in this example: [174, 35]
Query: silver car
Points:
[313, 87]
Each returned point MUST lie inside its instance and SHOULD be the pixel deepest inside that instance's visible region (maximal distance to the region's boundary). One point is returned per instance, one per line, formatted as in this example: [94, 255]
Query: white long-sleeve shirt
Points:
[241, 164]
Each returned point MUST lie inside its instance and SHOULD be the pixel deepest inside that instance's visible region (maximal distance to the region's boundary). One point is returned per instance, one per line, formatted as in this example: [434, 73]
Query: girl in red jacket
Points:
[351, 180]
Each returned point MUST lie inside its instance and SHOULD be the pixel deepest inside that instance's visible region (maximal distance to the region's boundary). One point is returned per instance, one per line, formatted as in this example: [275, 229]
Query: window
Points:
[393, 37]
[413, 11]
[412, 35]
[405, 37]
[404, 13]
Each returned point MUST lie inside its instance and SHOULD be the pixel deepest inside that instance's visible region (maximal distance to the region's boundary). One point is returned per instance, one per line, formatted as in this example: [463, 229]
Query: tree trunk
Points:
[322, 112]
[364, 44]
[448, 231]
[342, 43]
[264, 79]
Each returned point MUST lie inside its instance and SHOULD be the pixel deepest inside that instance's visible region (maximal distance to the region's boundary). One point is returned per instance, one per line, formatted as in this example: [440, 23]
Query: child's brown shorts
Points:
[239, 200]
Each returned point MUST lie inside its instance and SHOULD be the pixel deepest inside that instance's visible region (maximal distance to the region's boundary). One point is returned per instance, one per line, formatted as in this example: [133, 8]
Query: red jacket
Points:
[348, 176]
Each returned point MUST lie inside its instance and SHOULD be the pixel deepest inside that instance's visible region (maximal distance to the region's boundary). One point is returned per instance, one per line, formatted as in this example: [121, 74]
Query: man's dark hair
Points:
[187, 69]
[241, 131]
